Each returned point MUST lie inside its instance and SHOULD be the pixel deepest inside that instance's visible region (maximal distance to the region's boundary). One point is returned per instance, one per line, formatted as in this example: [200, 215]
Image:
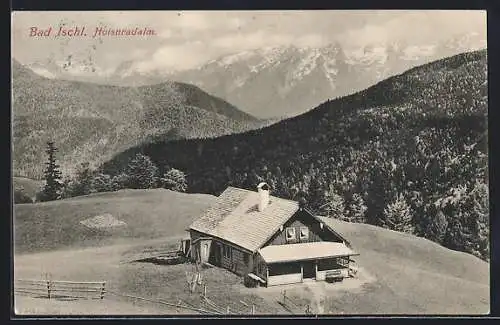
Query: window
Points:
[290, 233]
[304, 233]
[226, 251]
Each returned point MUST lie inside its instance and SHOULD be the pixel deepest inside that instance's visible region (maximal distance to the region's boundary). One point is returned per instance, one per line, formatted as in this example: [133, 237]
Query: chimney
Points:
[263, 190]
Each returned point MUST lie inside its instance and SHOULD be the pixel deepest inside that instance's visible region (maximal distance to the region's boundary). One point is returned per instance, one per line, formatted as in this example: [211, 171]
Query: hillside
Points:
[91, 123]
[412, 275]
[147, 214]
[407, 275]
[421, 134]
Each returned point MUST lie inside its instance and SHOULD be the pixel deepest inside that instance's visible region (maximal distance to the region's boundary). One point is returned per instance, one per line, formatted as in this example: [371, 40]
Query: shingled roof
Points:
[235, 218]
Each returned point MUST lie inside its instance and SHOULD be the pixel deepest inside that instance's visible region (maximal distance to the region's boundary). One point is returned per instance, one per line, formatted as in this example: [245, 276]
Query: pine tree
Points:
[398, 216]
[141, 173]
[436, 229]
[68, 186]
[174, 180]
[334, 206]
[82, 185]
[456, 235]
[53, 176]
[357, 209]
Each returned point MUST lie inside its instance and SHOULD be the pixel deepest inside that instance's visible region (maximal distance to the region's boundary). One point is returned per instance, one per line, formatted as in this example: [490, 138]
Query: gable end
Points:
[303, 227]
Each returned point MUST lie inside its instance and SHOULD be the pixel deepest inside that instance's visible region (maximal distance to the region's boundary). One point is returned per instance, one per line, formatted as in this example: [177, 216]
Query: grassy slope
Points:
[27, 185]
[148, 214]
[411, 275]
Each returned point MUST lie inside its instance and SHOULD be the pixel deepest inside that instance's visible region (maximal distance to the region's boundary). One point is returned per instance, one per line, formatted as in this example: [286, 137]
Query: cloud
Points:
[188, 38]
[191, 20]
[311, 40]
[173, 57]
[417, 27]
[250, 41]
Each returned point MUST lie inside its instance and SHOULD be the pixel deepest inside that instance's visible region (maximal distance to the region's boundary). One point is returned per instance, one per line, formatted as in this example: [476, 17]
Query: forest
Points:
[408, 154]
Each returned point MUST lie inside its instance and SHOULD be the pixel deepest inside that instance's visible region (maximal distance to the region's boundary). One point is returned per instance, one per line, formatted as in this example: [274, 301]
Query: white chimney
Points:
[263, 190]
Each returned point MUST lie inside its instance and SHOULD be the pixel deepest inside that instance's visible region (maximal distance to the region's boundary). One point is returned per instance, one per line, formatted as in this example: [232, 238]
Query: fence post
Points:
[199, 279]
[188, 282]
[284, 297]
[204, 291]
[48, 289]
[178, 304]
[103, 288]
[253, 309]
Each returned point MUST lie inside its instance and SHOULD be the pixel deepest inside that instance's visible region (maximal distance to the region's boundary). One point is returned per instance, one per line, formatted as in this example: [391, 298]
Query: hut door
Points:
[217, 253]
[204, 251]
[309, 270]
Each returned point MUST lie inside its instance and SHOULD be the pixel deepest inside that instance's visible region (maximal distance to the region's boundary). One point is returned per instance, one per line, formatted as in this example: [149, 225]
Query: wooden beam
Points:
[201, 238]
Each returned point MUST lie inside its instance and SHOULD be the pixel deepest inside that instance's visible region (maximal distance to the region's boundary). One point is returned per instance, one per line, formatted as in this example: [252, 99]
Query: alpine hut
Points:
[268, 239]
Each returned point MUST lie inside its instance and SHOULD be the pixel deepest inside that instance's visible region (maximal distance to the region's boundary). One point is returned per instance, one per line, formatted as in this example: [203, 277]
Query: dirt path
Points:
[318, 296]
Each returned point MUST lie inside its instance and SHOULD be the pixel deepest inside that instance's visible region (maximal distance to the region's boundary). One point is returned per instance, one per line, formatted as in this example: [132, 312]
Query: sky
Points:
[186, 39]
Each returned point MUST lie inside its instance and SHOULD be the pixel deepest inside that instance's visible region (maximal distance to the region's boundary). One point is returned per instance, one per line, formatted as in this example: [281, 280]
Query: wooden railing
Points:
[57, 289]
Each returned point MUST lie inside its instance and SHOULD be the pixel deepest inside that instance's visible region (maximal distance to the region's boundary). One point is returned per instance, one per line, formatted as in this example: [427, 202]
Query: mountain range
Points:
[91, 122]
[290, 79]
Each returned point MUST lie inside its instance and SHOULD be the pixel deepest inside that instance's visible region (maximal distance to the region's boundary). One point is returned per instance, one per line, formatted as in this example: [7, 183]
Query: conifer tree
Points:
[456, 235]
[334, 206]
[82, 184]
[398, 216]
[436, 230]
[357, 209]
[53, 176]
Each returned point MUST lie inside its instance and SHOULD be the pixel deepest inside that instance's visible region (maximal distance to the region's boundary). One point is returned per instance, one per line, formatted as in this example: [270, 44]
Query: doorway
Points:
[217, 254]
[308, 270]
